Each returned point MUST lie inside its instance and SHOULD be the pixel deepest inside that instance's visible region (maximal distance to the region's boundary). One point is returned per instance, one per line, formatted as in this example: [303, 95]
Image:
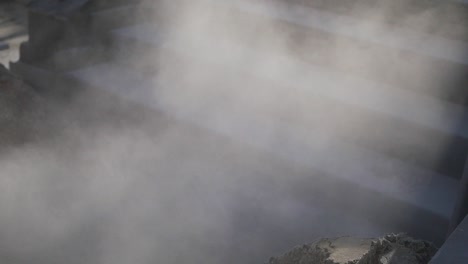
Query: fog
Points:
[235, 149]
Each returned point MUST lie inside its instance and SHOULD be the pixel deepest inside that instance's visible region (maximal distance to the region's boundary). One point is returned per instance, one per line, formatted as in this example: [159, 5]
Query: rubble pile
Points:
[390, 249]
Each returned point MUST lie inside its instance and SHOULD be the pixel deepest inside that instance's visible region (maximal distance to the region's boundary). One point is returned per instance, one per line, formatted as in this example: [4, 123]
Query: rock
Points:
[391, 249]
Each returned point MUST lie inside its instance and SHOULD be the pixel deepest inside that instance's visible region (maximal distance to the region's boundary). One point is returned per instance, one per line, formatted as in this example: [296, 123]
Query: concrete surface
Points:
[455, 249]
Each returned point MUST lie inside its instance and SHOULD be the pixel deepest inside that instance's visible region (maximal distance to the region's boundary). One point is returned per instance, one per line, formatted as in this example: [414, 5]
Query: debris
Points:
[399, 249]
[391, 249]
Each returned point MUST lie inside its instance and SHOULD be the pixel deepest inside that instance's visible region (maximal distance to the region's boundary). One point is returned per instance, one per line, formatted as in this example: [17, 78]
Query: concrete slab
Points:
[455, 249]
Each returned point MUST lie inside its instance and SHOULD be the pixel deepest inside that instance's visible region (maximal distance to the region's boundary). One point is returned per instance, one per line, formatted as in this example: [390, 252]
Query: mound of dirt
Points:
[390, 249]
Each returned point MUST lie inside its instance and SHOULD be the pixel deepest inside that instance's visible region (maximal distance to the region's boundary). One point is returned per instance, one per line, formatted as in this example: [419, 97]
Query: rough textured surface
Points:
[327, 251]
[391, 249]
[401, 249]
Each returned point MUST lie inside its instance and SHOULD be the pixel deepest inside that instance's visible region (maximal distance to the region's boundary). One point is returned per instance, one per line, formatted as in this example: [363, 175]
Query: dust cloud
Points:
[214, 174]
